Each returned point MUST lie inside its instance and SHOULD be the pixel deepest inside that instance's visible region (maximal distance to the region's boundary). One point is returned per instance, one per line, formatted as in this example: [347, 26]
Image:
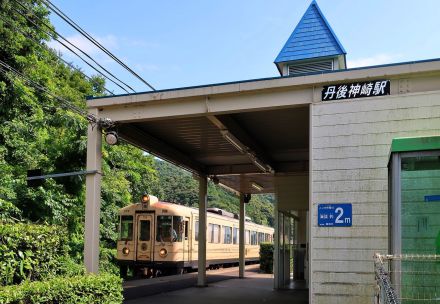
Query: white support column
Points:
[310, 232]
[276, 247]
[93, 199]
[203, 190]
[241, 237]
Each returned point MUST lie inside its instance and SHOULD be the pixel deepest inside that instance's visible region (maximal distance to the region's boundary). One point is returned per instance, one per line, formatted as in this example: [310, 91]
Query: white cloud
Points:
[373, 60]
[146, 67]
[109, 42]
[140, 43]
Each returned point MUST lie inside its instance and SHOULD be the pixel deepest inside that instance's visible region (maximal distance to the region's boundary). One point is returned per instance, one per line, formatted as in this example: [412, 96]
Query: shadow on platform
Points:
[224, 287]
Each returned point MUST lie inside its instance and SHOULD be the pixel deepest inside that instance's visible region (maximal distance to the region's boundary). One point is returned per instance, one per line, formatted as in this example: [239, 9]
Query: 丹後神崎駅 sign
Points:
[356, 90]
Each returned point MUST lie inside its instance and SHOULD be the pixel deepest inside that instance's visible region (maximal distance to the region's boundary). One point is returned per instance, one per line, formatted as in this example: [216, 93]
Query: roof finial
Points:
[312, 40]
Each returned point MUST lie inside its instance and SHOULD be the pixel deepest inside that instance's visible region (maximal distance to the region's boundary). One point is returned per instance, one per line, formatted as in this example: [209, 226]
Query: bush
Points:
[105, 288]
[9, 213]
[266, 257]
[107, 261]
[31, 252]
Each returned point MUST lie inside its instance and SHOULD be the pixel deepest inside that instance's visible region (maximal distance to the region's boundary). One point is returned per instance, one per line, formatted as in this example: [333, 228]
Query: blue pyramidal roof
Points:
[313, 37]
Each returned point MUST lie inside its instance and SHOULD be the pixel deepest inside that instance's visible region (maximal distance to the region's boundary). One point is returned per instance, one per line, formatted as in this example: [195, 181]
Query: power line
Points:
[59, 57]
[82, 73]
[72, 23]
[52, 35]
[103, 122]
[67, 41]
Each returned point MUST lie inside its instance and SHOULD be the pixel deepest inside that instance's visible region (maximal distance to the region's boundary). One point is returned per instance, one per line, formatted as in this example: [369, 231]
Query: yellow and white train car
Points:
[159, 236]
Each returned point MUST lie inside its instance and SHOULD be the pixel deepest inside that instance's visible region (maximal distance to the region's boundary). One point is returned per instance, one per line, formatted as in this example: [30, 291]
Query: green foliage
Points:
[68, 267]
[37, 132]
[8, 212]
[128, 173]
[179, 186]
[261, 209]
[30, 252]
[102, 289]
[266, 257]
[107, 261]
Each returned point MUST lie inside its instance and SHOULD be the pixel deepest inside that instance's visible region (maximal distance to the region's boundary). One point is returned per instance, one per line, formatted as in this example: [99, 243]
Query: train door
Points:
[144, 237]
[186, 240]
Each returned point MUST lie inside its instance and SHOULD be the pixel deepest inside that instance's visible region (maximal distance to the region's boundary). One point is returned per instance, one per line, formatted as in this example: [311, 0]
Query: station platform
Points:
[224, 286]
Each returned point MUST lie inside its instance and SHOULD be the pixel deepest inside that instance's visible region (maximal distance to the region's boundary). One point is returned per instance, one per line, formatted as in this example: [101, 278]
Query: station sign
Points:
[354, 90]
[335, 215]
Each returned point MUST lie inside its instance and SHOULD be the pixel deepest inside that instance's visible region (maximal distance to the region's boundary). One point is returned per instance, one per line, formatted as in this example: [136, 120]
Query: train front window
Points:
[144, 228]
[126, 228]
[164, 228]
[169, 228]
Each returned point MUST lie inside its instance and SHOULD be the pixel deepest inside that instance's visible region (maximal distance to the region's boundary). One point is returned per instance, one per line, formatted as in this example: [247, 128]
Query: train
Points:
[157, 237]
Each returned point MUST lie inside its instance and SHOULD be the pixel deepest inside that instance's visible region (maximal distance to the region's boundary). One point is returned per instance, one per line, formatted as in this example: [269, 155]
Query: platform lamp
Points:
[111, 138]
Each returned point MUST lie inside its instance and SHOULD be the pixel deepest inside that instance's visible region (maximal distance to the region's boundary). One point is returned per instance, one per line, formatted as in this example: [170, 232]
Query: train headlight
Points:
[125, 251]
[163, 252]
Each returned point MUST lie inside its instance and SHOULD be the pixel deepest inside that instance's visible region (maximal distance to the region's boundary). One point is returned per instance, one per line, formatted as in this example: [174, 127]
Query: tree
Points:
[179, 186]
[36, 131]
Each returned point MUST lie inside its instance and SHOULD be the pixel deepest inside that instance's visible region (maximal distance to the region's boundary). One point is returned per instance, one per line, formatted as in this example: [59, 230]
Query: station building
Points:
[352, 156]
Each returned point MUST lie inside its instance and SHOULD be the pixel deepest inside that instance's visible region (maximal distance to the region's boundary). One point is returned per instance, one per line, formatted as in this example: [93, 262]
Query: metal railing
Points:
[407, 279]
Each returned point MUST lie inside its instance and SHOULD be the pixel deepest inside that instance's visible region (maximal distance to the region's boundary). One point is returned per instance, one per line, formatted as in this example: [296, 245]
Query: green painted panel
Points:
[420, 223]
[408, 144]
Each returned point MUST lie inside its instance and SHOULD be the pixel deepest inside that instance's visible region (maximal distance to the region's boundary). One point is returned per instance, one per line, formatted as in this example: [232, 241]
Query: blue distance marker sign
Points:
[334, 215]
[432, 198]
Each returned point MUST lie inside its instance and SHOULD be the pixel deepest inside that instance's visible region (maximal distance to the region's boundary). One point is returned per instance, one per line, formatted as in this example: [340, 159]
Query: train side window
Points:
[260, 237]
[253, 238]
[214, 232]
[196, 231]
[247, 237]
[227, 235]
[235, 237]
[177, 228]
[217, 234]
[186, 229]
[126, 228]
[210, 236]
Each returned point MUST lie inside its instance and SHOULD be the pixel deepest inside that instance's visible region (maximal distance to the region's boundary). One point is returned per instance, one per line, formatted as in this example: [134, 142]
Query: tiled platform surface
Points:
[226, 288]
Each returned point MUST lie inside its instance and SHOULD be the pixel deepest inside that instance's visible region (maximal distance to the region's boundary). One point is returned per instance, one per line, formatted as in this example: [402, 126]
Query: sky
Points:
[175, 43]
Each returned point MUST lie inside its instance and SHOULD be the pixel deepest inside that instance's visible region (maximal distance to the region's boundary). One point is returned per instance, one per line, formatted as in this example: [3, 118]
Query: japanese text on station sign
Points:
[356, 90]
[334, 215]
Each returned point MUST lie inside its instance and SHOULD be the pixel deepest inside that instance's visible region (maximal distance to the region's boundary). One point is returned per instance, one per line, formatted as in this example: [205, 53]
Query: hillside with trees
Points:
[177, 185]
[39, 132]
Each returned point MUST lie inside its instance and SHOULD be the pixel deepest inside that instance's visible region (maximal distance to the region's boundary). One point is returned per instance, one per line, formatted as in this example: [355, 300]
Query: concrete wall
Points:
[350, 149]
[292, 192]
